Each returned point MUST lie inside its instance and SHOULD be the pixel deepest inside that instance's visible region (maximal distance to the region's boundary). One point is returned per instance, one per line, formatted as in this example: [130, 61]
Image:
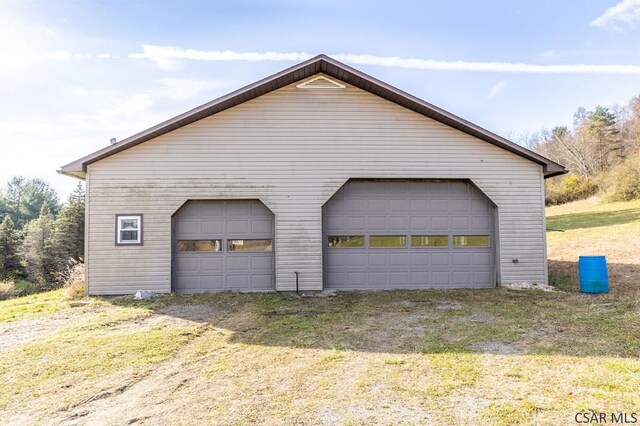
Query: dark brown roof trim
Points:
[332, 68]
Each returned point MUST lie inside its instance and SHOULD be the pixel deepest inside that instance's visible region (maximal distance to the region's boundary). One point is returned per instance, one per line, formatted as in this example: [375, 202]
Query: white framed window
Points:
[128, 229]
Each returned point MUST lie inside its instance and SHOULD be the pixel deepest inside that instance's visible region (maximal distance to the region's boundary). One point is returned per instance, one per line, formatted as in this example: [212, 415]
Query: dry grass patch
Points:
[74, 281]
[8, 290]
[590, 227]
[17, 287]
[413, 357]
[62, 361]
[82, 353]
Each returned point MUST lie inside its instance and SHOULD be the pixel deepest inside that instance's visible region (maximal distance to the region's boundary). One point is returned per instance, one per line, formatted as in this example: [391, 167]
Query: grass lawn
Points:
[589, 227]
[498, 357]
[593, 228]
[32, 306]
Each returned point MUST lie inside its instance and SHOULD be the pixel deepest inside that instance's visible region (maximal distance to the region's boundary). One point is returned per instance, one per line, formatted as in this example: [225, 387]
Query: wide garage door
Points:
[408, 234]
[223, 245]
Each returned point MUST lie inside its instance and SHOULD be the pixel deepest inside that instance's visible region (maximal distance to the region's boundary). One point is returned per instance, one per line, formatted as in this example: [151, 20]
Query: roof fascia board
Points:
[335, 69]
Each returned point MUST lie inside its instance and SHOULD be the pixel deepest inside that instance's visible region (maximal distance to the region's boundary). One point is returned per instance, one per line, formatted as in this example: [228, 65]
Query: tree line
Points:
[40, 237]
[601, 150]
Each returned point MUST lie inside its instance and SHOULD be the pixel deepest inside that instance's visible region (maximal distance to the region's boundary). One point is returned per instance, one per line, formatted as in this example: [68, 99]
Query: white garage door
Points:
[223, 245]
[408, 234]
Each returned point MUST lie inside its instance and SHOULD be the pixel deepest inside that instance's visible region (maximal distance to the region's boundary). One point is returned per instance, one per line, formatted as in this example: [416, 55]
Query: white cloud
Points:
[497, 89]
[106, 56]
[617, 17]
[125, 114]
[66, 55]
[168, 57]
[16, 57]
[507, 67]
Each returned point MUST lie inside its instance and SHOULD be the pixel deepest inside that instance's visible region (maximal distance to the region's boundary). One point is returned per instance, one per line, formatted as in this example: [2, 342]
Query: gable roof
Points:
[332, 68]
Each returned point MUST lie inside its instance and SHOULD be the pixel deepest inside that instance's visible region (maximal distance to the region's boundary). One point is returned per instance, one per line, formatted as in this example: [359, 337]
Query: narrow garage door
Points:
[408, 234]
[223, 245]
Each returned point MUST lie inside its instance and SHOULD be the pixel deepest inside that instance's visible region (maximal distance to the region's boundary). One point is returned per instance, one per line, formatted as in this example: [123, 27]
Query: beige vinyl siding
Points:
[292, 149]
[87, 219]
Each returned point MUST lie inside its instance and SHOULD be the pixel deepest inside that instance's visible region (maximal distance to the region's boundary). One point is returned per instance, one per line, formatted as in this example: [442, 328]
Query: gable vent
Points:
[320, 82]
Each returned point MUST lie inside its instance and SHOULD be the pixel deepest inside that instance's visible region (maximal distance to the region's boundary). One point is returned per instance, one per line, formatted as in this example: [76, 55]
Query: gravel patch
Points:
[495, 347]
[480, 317]
[449, 306]
[529, 286]
[17, 333]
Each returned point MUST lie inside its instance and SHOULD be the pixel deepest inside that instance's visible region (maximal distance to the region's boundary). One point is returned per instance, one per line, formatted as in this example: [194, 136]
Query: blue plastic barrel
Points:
[593, 274]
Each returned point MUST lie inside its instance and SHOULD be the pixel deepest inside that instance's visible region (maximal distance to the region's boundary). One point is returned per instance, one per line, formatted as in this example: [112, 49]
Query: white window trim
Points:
[119, 219]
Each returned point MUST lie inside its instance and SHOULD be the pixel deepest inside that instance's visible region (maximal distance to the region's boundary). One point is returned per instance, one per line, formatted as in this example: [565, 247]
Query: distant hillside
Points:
[601, 151]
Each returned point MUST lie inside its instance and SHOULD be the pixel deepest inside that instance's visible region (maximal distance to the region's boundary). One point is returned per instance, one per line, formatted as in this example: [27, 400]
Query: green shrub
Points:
[17, 288]
[622, 182]
[568, 188]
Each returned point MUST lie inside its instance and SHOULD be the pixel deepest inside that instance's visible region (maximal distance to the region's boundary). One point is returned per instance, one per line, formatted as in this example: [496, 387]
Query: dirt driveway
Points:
[401, 357]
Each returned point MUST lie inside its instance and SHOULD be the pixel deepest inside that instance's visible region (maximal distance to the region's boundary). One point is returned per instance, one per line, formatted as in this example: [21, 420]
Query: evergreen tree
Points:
[23, 198]
[69, 227]
[42, 263]
[10, 265]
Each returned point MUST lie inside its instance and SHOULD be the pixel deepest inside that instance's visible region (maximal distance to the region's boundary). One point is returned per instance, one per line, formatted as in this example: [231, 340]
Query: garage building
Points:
[318, 176]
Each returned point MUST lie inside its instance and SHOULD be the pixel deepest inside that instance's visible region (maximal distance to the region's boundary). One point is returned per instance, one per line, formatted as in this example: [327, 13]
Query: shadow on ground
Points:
[497, 321]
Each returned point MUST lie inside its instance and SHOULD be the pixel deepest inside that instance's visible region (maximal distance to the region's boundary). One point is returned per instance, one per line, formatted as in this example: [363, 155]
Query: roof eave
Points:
[552, 173]
[74, 174]
[332, 68]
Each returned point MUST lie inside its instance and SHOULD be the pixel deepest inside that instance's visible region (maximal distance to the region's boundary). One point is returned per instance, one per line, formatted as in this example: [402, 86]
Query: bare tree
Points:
[594, 144]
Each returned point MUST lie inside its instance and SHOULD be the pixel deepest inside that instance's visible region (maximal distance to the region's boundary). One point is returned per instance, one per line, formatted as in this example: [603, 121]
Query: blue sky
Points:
[73, 74]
